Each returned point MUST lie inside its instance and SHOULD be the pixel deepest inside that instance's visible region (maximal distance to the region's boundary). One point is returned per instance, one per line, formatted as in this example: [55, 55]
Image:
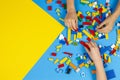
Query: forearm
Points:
[70, 5]
[117, 11]
[100, 72]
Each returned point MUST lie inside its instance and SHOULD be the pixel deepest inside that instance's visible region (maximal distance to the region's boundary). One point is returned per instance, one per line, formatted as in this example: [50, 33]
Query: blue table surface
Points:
[45, 70]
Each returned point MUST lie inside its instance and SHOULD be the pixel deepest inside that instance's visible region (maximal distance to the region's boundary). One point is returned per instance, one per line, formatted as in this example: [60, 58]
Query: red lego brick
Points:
[86, 23]
[60, 65]
[53, 54]
[84, 44]
[49, 7]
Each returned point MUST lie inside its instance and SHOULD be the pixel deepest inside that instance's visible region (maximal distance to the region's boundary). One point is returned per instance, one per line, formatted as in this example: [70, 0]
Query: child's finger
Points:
[88, 51]
[92, 44]
[76, 24]
[73, 24]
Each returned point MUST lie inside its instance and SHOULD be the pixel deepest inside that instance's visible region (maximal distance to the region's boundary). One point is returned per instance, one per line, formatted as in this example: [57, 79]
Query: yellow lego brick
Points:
[79, 35]
[106, 36]
[69, 34]
[93, 23]
[86, 65]
[75, 36]
[68, 61]
[56, 61]
[109, 59]
[59, 46]
[88, 13]
[50, 59]
[70, 42]
[63, 60]
[105, 56]
[61, 19]
[118, 32]
[79, 12]
[57, 50]
[88, 34]
[84, 1]
[116, 47]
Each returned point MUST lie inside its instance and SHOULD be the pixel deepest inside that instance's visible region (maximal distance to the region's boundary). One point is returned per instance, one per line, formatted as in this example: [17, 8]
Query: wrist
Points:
[116, 14]
[71, 10]
[98, 62]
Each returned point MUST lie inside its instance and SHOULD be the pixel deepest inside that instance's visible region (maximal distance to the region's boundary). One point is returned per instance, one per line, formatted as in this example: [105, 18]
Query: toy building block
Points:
[59, 2]
[85, 1]
[56, 61]
[50, 59]
[53, 54]
[70, 54]
[61, 19]
[63, 60]
[68, 70]
[49, 8]
[66, 40]
[75, 36]
[88, 34]
[81, 65]
[84, 44]
[106, 36]
[49, 1]
[60, 65]
[74, 67]
[86, 23]
[93, 71]
[69, 34]
[79, 35]
[110, 74]
[68, 61]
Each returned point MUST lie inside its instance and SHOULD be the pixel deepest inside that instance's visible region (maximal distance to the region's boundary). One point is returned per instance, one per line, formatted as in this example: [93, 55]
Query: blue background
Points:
[45, 70]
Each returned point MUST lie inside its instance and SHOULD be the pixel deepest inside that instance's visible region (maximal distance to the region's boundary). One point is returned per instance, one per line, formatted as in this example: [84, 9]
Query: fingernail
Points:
[76, 30]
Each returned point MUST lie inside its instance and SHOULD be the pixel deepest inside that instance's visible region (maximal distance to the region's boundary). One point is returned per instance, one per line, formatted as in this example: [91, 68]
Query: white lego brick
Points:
[61, 37]
[77, 70]
[113, 46]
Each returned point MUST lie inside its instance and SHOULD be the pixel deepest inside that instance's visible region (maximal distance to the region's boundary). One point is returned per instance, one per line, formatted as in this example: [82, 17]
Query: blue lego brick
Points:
[110, 74]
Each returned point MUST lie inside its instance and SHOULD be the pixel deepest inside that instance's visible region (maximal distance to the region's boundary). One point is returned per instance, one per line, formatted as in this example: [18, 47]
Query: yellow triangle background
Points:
[26, 31]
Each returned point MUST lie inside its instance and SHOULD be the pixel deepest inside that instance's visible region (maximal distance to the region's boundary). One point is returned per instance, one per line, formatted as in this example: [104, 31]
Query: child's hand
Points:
[71, 20]
[107, 25]
[94, 52]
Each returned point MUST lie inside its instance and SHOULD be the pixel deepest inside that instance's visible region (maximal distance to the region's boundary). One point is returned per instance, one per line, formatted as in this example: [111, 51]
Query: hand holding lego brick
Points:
[94, 52]
[107, 25]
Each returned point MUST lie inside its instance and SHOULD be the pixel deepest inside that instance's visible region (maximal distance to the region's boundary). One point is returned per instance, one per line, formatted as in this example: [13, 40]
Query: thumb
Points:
[103, 24]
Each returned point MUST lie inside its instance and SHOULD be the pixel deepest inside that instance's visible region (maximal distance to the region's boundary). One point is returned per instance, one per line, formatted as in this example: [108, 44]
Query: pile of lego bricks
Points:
[87, 28]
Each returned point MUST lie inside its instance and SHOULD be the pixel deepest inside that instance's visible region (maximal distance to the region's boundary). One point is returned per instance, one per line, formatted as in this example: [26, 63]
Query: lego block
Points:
[70, 54]
[66, 40]
[86, 23]
[49, 1]
[56, 61]
[50, 59]
[53, 54]
[93, 71]
[49, 8]
[73, 66]
[68, 70]
[84, 44]
[106, 36]
[110, 74]
[60, 65]
[83, 74]
[63, 60]
[69, 34]
[68, 61]
[81, 65]
[88, 34]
